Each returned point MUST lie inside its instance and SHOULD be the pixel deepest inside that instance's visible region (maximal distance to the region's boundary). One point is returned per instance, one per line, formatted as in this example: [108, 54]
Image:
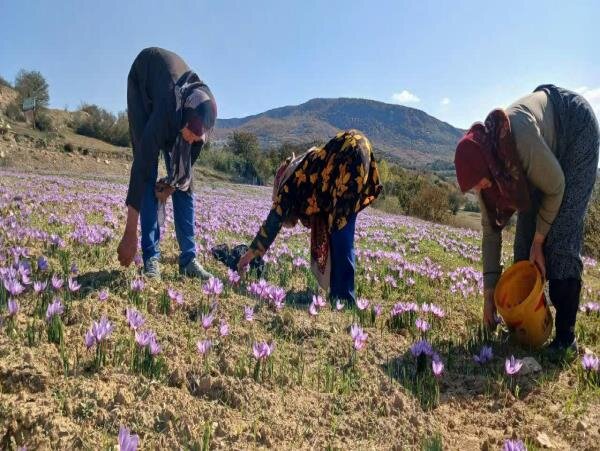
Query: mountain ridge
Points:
[407, 134]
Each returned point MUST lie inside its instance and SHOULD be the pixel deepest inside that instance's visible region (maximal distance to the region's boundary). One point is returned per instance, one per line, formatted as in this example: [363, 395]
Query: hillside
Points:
[409, 135]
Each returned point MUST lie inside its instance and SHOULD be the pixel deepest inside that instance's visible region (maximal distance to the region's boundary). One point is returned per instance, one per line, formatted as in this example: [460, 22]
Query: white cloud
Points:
[592, 95]
[445, 101]
[405, 97]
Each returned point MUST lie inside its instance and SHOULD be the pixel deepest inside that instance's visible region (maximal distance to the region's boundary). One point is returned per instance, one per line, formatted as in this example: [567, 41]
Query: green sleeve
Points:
[542, 170]
[491, 250]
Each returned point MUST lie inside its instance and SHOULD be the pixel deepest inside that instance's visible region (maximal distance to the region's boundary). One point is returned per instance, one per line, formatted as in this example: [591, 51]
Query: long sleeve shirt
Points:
[533, 127]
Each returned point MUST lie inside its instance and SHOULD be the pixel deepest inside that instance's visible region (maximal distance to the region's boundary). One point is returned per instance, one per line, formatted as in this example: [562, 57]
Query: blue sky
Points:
[454, 59]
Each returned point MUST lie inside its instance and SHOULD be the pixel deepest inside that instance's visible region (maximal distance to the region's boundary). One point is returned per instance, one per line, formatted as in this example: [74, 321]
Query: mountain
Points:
[405, 134]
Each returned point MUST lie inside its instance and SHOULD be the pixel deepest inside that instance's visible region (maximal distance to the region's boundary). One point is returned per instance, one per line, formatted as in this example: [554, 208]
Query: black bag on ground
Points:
[231, 256]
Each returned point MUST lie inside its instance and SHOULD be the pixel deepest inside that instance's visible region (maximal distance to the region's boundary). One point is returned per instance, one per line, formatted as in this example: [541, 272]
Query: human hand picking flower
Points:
[489, 309]
[536, 254]
[163, 191]
[245, 261]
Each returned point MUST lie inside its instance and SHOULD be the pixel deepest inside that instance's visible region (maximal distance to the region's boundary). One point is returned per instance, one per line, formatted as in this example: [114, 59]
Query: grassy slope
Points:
[314, 398]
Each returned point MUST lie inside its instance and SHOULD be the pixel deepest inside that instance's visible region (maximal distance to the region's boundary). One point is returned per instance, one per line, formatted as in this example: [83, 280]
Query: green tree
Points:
[32, 84]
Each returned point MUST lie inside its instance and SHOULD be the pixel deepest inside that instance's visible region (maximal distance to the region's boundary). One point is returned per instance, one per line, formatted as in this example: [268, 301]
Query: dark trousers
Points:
[565, 294]
[343, 263]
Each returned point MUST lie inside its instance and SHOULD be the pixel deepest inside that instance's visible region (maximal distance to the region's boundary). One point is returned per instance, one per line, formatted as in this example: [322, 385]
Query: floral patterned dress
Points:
[332, 183]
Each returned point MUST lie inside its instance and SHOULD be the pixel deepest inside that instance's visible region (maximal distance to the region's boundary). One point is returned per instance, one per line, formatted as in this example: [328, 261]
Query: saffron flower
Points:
[73, 285]
[249, 313]
[55, 308]
[262, 350]
[137, 285]
[99, 332]
[204, 346]
[214, 287]
[590, 362]
[312, 309]
[512, 365]
[42, 263]
[39, 286]
[362, 303]
[57, 282]
[318, 301]
[134, 318]
[339, 305]
[207, 320]
[421, 347]
[485, 355]
[437, 365]
[514, 445]
[74, 268]
[103, 295]
[13, 307]
[175, 296]
[422, 325]
[377, 309]
[359, 336]
[14, 287]
[127, 441]
[223, 329]
[233, 277]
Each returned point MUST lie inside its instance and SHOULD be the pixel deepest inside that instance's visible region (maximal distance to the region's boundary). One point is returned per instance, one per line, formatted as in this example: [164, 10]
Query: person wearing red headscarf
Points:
[538, 157]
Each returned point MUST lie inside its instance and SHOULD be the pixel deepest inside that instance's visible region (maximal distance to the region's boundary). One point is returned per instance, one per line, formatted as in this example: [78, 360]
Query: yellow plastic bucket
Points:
[520, 300]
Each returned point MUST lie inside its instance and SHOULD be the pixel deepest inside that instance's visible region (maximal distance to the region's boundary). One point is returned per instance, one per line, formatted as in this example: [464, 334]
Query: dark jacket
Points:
[154, 121]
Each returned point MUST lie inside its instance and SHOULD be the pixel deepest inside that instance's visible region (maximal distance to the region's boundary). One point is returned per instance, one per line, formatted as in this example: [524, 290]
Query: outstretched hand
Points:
[244, 262]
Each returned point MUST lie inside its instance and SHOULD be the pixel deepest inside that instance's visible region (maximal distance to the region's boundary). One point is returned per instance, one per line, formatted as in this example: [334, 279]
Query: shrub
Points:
[431, 203]
[455, 200]
[472, 206]
[5, 82]
[99, 123]
[13, 111]
[43, 121]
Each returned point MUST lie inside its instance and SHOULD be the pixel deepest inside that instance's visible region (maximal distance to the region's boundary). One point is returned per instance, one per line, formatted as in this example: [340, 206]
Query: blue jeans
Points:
[343, 263]
[183, 212]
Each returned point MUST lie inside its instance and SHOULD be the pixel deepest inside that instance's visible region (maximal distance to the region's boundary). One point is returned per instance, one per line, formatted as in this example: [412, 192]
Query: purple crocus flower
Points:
[89, 339]
[103, 295]
[175, 296]
[514, 445]
[134, 318]
[339, 305]
[42, 263]
[437, 365]
[13, 307]
[249, 313]
[312, 309]
[99, 331]
[127, 441]
[377, 309]
[54, 308]
[485, 355]
[39, 286]
[207, 320]
[421, 347]
[204, 346]
[512, 365]
[74, 268]
[223, 329]
[214, 287]
[262, 350]
[362, 303]
[14, 287]
[143, 338]
[137, 285]
[590, 362]
[318, 301]
[422, 325]
[154, 347]
[233, 277]
[359, 336]
[57, 282]
[73, 285]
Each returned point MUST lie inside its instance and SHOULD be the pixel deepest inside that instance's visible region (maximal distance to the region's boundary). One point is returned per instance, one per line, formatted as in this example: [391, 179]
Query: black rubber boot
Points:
[565, 294]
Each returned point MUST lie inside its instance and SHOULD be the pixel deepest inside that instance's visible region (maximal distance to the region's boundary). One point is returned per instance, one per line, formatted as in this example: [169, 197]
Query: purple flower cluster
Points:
[359, 336]
[590, 362]
[99, 332]
[147, 339]
[55, 308]
[214, 287]
[263, 350]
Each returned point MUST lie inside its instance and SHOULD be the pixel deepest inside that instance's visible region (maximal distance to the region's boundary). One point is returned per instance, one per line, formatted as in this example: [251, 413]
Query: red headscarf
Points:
[489, 150]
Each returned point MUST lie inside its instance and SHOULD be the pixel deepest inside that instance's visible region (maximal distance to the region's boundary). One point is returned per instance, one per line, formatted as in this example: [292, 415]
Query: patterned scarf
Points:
[489, 150]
